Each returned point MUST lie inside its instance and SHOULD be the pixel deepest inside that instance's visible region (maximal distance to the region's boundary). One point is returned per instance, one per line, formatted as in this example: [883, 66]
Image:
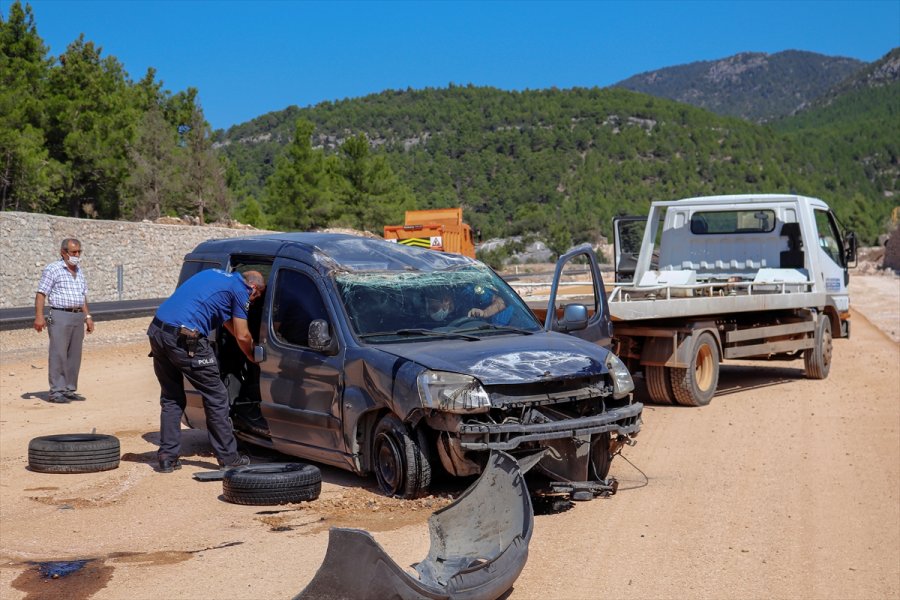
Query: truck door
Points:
[300, 387]
[577, 280]
[628, 232]
[832, 259]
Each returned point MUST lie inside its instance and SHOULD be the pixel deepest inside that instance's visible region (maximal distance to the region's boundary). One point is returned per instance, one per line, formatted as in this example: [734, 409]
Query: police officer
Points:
[63, 288]
[181, 349]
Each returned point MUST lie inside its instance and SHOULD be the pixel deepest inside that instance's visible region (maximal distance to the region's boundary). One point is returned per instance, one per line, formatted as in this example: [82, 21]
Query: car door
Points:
[577, 280]
[300, 387]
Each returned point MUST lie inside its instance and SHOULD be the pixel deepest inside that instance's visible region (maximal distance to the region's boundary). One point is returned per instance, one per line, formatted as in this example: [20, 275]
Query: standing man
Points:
[180, 349]
[63, 288]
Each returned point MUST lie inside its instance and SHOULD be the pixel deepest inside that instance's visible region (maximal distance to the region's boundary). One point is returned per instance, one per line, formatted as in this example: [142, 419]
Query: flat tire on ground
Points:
[401, 462]
[658, 385]
[74, 453]
[268, 484]
[696, 385]
[817, 360]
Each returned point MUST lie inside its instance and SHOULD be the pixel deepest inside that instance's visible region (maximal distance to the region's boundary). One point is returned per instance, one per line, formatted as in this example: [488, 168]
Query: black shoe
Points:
[72, 395]
[167, 465]
[58, 399]
[241, 461]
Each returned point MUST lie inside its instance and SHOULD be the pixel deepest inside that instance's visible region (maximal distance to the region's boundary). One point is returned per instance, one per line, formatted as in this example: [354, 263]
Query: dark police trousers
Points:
[172, 365]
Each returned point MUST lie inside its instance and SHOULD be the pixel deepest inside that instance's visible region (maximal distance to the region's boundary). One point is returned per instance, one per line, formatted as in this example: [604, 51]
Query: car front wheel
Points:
[401, 463]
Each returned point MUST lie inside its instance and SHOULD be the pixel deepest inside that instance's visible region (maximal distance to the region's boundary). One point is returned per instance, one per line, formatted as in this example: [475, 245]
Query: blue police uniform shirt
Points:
[207, 300]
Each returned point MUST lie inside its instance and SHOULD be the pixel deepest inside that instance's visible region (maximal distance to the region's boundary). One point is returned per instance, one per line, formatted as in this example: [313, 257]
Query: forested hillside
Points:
[79, 137]
[563, 162]
[752, 85]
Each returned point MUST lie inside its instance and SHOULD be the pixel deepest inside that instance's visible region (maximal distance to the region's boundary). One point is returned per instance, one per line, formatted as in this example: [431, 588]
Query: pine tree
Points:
[298, 195]
[28, 176]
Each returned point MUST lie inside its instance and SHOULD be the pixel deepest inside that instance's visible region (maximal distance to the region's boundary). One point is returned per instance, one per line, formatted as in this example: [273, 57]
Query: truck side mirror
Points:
[575, 317]
[320, 338]
[850, 246]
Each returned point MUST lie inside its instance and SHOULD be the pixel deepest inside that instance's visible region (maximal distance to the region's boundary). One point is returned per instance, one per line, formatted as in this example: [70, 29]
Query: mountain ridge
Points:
[755, 86]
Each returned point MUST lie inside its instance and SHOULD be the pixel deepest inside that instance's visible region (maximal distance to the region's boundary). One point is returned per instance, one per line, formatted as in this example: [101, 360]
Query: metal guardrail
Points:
[23, 317]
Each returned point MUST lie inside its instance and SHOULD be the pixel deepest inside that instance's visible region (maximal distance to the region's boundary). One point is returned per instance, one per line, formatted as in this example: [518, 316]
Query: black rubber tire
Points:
[601, 459]
[696, 385]
[658, 385]
[74, 453]
[817, 360]
[401, 462]
[268, 484]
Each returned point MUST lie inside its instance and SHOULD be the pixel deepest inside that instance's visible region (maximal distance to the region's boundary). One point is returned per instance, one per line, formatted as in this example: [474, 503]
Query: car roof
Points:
[336, 251]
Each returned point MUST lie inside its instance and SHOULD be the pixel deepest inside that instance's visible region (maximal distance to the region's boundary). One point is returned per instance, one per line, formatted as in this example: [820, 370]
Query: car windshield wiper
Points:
[424, 333]
[492, 327]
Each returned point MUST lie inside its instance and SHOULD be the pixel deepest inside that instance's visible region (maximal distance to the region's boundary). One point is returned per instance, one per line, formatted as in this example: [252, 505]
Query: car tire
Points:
[401, 462]
[74, 453]
[601, 458]
[268, 484]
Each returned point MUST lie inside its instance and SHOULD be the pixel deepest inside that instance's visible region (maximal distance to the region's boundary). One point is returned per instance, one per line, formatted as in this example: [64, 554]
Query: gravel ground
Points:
[783, 487]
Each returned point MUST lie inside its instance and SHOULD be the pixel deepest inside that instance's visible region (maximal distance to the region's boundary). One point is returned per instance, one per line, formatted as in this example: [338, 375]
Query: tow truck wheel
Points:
[401, 464]
[817, 360]
[658, 385]
[696, 385]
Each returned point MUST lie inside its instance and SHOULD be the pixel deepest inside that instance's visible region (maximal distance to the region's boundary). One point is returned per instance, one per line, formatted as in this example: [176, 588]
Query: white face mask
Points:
[73, 260]
[440, 315]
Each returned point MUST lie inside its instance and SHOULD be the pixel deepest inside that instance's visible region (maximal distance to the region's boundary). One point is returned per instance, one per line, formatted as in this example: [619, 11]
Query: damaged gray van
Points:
[380, 358]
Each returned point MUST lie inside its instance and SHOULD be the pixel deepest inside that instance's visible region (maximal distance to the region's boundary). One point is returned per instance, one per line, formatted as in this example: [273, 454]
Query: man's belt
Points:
[176, 329]
[73, 309]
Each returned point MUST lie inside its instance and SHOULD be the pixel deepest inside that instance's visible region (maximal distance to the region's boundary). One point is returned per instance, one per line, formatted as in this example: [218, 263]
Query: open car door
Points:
[577, 303]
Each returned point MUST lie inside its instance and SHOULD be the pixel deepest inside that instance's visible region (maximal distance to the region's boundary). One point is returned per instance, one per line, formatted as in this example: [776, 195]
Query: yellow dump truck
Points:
[439, 229]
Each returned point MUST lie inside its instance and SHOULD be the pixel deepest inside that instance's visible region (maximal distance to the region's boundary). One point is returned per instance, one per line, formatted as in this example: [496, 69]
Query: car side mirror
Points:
[259, 353]
[575, 317]
[850, 247]
[320, 337]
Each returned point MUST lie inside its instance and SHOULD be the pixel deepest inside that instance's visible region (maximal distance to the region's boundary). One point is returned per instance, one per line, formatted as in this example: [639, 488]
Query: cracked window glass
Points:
[465, 299]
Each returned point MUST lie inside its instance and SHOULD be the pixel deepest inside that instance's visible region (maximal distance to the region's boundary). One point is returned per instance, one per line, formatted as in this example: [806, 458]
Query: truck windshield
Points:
[390, 304]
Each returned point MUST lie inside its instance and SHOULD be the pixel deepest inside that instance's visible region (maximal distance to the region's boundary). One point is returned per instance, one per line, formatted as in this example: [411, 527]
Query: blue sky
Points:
[249, 58]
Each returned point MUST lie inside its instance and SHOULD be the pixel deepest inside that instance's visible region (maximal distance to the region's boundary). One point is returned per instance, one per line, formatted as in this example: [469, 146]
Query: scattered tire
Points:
[658, 385]
[817, 360]
[401, 464]
[74, 453]
[696, 385]
[269, 484]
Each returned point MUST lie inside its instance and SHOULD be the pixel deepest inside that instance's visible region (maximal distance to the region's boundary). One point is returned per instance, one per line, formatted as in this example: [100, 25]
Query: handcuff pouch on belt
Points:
[190, 338]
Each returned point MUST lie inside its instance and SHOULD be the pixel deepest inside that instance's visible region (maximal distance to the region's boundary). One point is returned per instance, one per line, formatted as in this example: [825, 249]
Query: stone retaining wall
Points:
[150, 254]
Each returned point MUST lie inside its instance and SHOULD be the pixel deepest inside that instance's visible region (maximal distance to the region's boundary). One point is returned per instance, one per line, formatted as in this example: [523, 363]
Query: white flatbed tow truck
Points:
[722, 277]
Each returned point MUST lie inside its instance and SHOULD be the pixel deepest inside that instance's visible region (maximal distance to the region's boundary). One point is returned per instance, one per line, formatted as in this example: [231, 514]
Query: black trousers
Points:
[172, 366]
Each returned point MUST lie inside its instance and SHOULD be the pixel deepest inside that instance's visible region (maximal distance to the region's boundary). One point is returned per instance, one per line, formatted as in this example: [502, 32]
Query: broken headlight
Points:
[621, 378]
[452, 392]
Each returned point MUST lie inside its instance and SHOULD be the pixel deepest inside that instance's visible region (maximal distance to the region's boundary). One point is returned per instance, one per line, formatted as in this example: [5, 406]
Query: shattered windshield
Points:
[403, 306]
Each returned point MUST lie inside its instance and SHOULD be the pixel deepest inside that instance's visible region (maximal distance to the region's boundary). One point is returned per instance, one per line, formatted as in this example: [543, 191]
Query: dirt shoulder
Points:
[781, 487]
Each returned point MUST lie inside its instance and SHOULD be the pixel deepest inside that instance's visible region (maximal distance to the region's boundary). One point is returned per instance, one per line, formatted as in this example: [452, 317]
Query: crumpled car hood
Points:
[508, 359]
